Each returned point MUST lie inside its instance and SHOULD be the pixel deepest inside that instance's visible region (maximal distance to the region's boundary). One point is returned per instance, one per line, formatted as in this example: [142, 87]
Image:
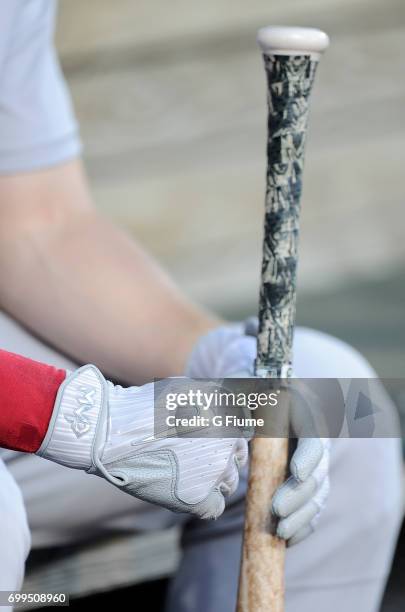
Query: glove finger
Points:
[320, 500]
[301, 534]
[292, 495]
[230, 478]
[322, 469]
[212, 507]
[241, 452]
[321, 497]
[306, 457]
[290, 525]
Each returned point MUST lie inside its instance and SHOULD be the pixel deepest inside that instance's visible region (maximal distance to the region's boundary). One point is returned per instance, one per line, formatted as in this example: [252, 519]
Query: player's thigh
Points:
[350, 552]
[353, 544]
[357, 597]
[14, 533]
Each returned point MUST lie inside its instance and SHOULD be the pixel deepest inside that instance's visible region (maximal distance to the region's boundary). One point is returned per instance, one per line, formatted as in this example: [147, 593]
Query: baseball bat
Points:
[290, 57]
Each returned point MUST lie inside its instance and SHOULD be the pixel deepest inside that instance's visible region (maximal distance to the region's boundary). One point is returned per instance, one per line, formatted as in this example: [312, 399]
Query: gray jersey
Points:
[37, 124]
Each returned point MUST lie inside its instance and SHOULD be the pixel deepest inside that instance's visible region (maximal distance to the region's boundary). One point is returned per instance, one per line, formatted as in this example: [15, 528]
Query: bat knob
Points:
[287, 40]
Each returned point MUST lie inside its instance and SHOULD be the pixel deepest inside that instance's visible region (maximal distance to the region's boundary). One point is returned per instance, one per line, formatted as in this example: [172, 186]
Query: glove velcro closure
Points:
[78, 419]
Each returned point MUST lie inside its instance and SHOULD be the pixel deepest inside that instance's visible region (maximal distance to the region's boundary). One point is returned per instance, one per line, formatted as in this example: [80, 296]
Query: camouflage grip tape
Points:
[290, 76]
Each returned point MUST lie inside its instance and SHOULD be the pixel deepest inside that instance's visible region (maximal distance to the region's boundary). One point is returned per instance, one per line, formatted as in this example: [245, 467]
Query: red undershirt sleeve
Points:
[27, 396]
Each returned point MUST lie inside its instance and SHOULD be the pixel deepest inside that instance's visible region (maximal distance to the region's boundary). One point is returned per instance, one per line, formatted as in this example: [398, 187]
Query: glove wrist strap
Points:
[76, 420]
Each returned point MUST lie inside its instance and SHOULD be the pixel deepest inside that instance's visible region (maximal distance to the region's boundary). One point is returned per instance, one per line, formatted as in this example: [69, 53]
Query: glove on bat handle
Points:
[290, 59]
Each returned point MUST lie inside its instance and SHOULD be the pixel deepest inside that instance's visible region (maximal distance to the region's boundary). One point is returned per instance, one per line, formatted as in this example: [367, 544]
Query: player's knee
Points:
[14, 533]
[319, 355]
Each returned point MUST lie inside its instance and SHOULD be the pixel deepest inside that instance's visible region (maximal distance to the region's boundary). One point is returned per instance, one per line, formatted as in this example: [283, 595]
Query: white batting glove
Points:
[108, 430]
[227, 352]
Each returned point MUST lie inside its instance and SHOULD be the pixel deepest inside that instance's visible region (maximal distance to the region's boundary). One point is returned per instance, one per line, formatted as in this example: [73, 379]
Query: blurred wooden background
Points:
[171, 101]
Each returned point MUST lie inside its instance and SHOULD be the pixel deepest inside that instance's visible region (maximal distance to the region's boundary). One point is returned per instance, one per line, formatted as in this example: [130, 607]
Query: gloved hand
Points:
[108, 430]
[227, 352]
